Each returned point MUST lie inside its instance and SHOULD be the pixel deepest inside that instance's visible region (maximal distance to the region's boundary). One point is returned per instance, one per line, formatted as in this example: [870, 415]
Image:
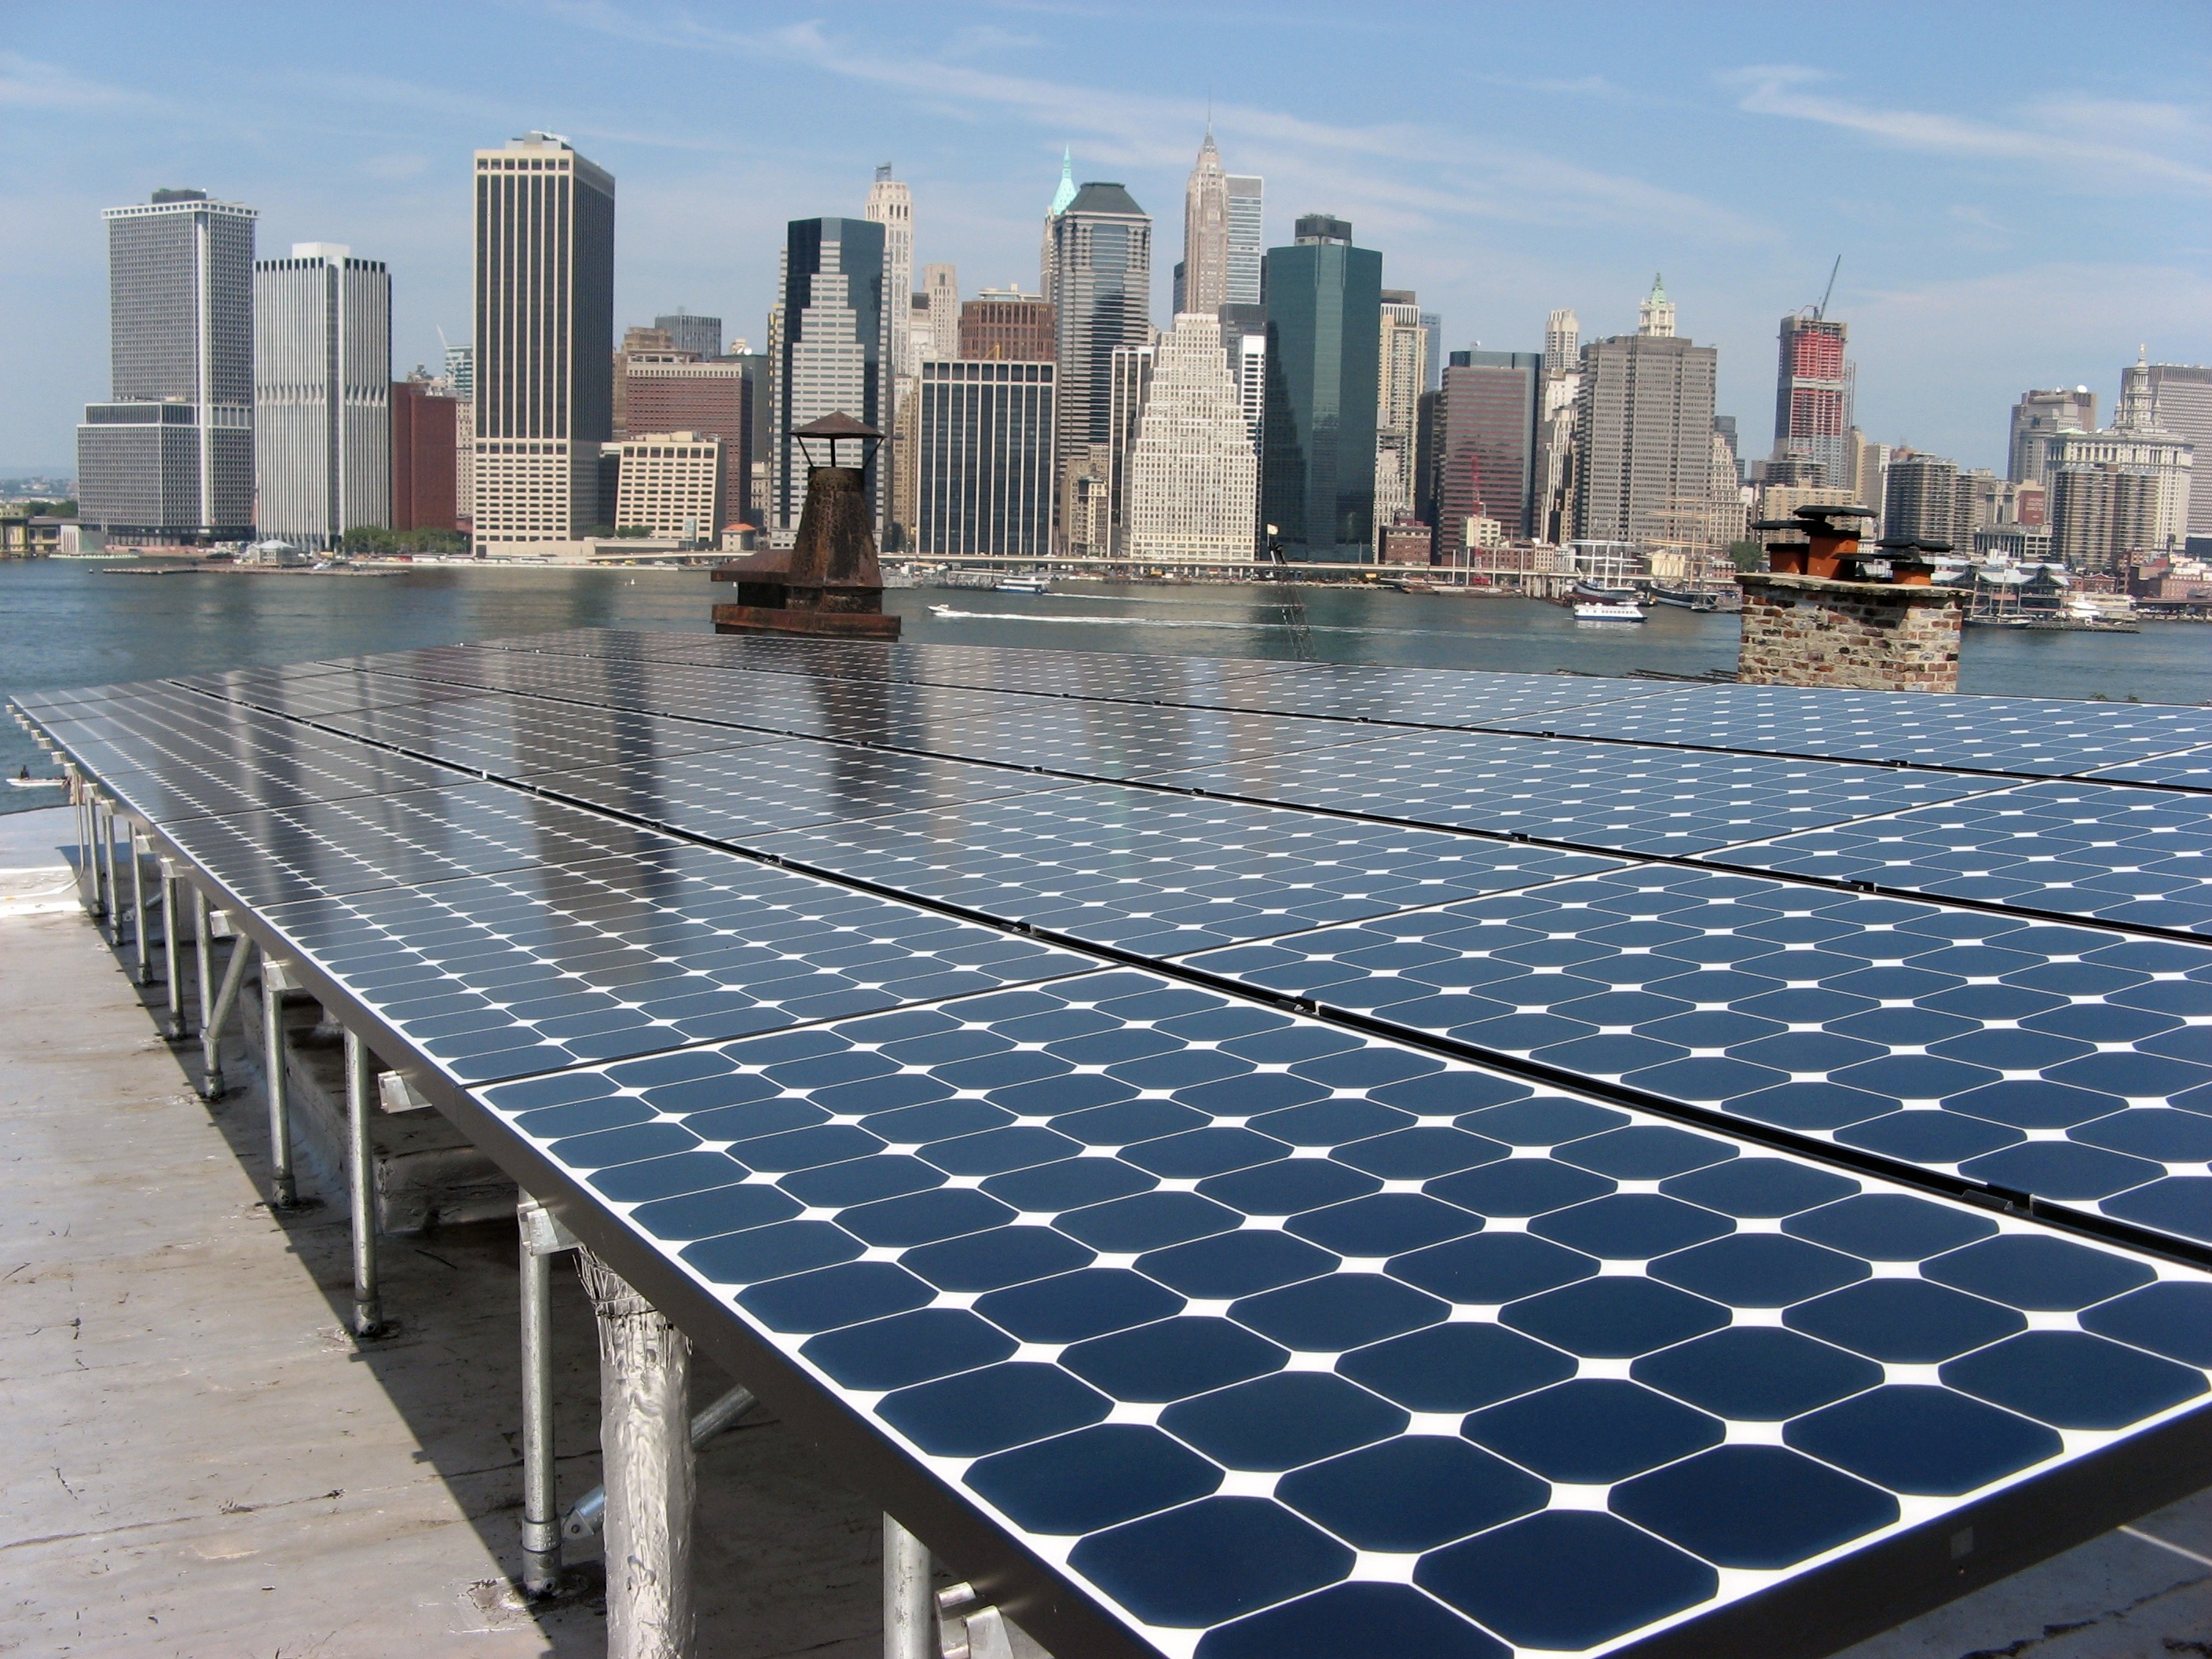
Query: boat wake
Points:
[947, 613]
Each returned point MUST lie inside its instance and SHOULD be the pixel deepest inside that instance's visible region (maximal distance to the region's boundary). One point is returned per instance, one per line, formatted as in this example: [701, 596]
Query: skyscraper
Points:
[544, 325]
[1193, 479]
[322, 394]
[1131, 388]
[998, 326]
[1102, 294]
[461, 371]
[1324, 327]
[985, 478]
[1812, 397]
[2038, 418]
[941, 287]
[836, 343]
[1206, 233]
[1492, 414]
[1921, 500]
[425, 453]
[170, 456]
[2137, 442]
[1048, 255]
[702, 337]
[1563, 333]
[2179, 399]
[1401, 375]
[890, 204]
[674, 391]
[1643, 436]
[1248, 238]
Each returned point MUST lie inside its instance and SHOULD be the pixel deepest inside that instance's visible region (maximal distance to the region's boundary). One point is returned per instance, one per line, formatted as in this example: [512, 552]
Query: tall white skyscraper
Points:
[544, 333]
[1193, 475]
[322, 394]
[170, 456]
[1402, 375]
[890, 204]
[1248, 238]
[834, 340]
[1563, 332]
[1205, 232]
[1655, 315]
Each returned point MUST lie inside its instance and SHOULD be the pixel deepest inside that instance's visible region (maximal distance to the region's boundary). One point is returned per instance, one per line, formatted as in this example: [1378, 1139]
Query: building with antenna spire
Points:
[1063, 199]
[1203, 284]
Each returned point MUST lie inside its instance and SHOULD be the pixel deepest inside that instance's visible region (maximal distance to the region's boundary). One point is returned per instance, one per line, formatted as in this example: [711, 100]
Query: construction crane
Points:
[1821, 310]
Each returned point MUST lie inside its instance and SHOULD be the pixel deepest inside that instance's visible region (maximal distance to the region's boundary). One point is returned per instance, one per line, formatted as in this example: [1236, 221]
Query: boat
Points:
[1022, 584]
[1596, 595]
[1686, 599]
[38, 783]
[1607, 611]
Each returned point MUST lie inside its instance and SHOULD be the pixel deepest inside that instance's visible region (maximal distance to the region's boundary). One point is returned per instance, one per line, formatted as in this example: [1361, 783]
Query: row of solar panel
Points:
[1857, 1019]
[2034, 735]
[1276, 1336]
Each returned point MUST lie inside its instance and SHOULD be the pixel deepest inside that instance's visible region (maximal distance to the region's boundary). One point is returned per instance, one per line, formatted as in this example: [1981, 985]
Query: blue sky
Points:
[2021, 193]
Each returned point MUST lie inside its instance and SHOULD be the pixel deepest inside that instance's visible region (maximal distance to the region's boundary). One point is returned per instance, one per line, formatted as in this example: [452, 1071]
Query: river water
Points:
[66, 622]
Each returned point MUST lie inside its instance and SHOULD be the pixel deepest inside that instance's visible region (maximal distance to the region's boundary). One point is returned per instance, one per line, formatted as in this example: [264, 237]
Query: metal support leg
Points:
[203, 956]
[589, 1512]
[172, 895]
[138, 906]
[360, 1176]
[644, 1441]
[112, 905]
[234, 980]
[909, 1614]
[87, 867]
[541, 1527]
[284, 1191]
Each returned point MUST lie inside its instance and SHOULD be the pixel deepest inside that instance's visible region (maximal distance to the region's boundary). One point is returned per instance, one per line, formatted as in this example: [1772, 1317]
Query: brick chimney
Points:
[1824, 613]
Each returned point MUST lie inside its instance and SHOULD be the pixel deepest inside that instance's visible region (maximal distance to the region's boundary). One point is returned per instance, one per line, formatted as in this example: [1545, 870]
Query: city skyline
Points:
[2026, 230]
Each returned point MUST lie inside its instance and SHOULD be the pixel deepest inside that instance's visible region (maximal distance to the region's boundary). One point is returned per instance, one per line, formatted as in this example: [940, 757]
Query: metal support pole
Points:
[645, 1443]
[360, 1173]
[87, 867]
[113, 906]
[203, 956]
[589, 1512]
[909, 1611]
[172, 893]
[541, 1527]
[234, 980]
[283, 1191]
[138, 906]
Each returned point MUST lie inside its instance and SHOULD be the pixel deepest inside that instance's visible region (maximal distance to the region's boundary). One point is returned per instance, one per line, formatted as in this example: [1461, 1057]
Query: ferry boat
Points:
[1023, 584]
[1624, 610]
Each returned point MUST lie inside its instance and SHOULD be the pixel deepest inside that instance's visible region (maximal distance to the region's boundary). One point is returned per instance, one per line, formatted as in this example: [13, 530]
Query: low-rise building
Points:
[669, 483]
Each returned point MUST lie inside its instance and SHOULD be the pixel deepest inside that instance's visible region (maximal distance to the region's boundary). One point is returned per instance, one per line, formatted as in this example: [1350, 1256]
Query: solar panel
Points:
[1278, 1339]
[515, 736]
[1157, 875]
[2191, 768]
[2070, 1063]
[1634, 799]
[2008, 734]
[538, 968]
[2142, 857]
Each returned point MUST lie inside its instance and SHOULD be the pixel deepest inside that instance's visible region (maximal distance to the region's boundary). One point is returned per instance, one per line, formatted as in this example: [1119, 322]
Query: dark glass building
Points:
[1324, 300]
[1486, 451]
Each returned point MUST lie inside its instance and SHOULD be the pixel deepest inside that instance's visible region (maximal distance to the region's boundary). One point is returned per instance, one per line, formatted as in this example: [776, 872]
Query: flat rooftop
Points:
[1250, 1157]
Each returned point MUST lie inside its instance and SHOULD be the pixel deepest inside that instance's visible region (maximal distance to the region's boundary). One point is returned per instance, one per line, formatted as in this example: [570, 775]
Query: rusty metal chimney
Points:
[828, 582]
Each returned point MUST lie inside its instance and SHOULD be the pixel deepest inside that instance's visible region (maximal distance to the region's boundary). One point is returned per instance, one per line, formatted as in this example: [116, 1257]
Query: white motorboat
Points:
[1607, 611]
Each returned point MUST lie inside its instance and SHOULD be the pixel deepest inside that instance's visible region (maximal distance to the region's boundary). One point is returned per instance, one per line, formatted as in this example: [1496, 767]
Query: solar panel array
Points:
[1311, 1158]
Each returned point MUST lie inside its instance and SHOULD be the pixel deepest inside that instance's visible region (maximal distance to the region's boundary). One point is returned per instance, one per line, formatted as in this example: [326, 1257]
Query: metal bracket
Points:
[277, 974]
[542, 1231]
[394, 1093]
[220, 925]
[970, 1628]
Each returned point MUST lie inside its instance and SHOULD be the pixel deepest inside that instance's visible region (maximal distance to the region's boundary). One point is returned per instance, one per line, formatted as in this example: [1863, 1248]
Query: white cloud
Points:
[1787, 90]
[26, 84]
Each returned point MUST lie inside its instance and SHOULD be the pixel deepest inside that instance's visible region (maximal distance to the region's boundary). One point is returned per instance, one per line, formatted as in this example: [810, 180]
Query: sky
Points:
[2021, 193]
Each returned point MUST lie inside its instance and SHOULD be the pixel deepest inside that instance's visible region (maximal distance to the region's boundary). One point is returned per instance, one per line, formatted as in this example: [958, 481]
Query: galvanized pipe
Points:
[138, 906]
[113, 906]
[541, 1527]
[909, 1610]
[175, 979]
[588, 1513]
[645, 1444]
[233, 981]
[88, 862]
[284, 1191]
[203, 949]
[360, 1175]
